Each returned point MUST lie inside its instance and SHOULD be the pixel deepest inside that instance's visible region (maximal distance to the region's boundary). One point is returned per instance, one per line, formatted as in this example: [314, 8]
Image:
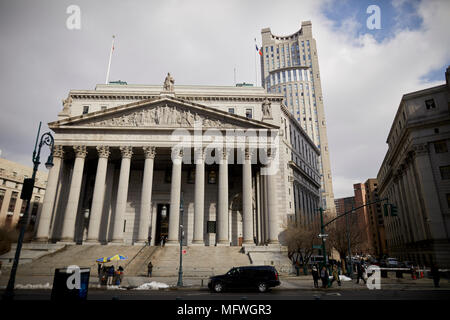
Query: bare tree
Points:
[339, 234]
[300, 239]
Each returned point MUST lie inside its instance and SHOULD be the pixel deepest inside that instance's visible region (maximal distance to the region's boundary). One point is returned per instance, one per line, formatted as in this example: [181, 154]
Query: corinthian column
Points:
[199, 196]
[42, 233]
[272, 203]
[175, 189]
[222, 203]
[247, 199]
[122, 194]
[98, 196]
[146, 195]
[68, 231]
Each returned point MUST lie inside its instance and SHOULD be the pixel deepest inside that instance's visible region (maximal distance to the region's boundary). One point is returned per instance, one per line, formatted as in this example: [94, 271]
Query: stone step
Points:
[199, 261]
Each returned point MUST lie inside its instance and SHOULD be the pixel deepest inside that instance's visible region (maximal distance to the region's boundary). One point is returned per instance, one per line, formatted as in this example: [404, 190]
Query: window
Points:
[440, 147]
[231, 110]
[430, 104]
[85, 109]
[103, 108]
[12, 201]
[248, 113]
[211, 227]
[445, 172]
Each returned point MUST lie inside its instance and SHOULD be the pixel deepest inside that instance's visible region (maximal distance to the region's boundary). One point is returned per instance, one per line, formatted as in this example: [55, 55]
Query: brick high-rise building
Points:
[290, 66]
[370, 218]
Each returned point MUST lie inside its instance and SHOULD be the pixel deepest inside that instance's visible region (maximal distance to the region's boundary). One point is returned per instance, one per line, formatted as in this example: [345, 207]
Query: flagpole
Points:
[110, 57]
[256, 70]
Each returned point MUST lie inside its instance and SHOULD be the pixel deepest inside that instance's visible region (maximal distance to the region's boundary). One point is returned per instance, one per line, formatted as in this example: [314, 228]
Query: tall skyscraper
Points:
[290, 66]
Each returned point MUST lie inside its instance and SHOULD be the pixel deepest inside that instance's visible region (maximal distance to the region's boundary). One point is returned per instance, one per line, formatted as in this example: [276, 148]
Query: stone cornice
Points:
[303, 173]
[185, 96]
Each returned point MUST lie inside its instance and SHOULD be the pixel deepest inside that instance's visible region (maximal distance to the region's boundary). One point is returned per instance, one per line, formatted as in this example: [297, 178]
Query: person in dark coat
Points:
[315, 274]
[110, 275]
[435, 274]
[149, 269]
[324, 277]
[360, 271]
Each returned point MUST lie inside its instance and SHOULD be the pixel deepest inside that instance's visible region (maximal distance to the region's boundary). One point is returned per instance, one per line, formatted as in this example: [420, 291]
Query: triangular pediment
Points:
[164, 112]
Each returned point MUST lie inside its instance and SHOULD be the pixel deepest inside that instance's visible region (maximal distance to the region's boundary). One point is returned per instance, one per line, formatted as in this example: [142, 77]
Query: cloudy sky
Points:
[364, 72]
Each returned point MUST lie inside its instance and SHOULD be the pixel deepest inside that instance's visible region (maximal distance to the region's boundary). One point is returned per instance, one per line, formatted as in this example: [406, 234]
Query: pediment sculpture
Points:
[164, 115]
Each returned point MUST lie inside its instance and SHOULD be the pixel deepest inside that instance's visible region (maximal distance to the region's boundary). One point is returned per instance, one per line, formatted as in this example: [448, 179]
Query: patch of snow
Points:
[344, 278]
[34, 286]
[154, 285]
[115, 288]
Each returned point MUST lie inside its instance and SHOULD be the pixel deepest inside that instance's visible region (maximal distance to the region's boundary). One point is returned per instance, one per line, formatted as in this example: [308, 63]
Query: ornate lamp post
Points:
[46, 139]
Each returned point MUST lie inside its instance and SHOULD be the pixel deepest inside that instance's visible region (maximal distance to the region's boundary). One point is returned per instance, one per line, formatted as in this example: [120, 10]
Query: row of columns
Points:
[68, 229]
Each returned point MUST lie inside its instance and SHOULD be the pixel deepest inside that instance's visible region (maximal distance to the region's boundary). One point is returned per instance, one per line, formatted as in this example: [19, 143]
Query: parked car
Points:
[251, 277]
[392, 263]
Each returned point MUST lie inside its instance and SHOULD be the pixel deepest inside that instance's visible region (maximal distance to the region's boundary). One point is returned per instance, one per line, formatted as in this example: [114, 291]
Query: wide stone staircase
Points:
[198, 261]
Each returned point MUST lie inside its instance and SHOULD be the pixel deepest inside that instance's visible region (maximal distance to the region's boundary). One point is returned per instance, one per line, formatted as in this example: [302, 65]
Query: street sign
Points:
[318, 246]
[323, 235]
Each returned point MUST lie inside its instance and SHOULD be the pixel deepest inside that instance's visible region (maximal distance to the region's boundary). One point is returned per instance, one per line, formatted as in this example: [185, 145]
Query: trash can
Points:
[74, 289]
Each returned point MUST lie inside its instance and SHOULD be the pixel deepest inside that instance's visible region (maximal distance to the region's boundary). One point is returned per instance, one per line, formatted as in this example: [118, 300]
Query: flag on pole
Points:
[259, 50]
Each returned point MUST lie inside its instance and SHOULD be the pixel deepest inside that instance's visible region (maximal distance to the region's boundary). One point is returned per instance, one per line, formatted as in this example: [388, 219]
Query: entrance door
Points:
[162, 222]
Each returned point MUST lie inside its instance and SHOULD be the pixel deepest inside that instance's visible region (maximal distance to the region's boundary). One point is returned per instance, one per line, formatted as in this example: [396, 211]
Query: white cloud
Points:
[200, 42]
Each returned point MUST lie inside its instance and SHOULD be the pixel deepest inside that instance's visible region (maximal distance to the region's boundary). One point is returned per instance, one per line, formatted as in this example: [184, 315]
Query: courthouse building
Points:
[415, 176]
[121, 175]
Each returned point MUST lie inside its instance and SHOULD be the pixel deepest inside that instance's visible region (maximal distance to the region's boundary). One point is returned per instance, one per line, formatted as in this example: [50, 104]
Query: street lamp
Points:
[181, 231]
[46, 139]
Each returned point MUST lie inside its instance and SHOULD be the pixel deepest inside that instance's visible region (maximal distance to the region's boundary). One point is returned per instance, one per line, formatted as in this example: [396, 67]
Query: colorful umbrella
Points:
[102, 260]
[117, 257]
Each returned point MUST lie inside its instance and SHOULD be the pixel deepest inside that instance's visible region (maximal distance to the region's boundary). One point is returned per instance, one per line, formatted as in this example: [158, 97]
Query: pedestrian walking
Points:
[435, 275]
[149, 269]
[315, 274]
[335, 276]
[324, 277]
[360, 272]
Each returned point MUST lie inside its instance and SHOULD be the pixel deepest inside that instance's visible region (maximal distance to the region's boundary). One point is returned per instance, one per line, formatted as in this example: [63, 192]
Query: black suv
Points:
[258, 277]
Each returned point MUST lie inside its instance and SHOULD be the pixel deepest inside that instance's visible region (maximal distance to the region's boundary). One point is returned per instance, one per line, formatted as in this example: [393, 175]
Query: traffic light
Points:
[385, 209]
[393, 210]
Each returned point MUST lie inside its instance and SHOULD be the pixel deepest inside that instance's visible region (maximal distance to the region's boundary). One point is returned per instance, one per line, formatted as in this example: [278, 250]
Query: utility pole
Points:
[350, 264]
[323, 236]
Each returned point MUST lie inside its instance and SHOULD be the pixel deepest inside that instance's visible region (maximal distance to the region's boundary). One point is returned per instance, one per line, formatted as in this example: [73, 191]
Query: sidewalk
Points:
[197, 283]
